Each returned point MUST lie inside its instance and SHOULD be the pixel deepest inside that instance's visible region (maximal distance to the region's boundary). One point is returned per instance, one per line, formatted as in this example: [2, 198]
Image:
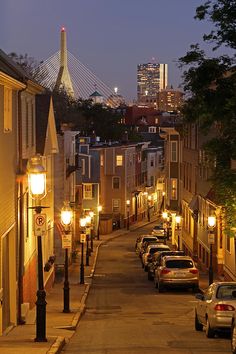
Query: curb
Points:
[57, 345]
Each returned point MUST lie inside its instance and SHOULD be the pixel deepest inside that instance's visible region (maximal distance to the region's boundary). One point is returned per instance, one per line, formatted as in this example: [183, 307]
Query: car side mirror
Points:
[199, 296]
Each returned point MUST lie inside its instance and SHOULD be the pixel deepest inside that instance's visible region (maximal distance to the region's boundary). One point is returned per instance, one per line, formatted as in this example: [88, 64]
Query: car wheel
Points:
[210, 333]
[155, 283]
[233, 338]
[195, 289]
[160, 287]
[198, 325]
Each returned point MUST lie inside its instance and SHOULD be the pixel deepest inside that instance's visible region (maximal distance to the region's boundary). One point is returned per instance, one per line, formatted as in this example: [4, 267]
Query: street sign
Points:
[40, 224]
[82, 238]
[66, 240]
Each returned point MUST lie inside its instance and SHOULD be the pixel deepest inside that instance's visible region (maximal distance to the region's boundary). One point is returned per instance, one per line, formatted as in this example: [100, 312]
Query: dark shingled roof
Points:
[42, 113]
[9, 67]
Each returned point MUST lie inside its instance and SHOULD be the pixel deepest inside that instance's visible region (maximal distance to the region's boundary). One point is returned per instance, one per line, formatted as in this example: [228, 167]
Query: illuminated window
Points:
[116, 205]
[115, 182]
[88, 191]
[119, 160]
[7, 110]
[102, 160]
[173, 188]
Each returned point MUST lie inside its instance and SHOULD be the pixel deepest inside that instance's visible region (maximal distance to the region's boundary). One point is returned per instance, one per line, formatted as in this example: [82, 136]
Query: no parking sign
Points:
[39, 224]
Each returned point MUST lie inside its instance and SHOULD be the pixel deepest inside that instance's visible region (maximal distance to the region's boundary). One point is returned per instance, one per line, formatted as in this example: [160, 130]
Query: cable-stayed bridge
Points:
[84, 81]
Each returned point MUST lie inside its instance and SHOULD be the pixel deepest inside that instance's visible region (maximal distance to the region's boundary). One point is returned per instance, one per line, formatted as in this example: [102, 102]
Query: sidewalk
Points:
[61, 326]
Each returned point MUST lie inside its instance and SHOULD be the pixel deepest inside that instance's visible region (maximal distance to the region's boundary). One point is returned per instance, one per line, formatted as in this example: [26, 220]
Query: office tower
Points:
[169, 100]
[151, 78]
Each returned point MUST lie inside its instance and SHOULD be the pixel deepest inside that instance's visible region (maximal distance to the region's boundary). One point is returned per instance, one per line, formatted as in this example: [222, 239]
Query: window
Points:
[152, 162]
[119, 160]
[115, 182]
[173, 188]
[173, 151]
[7, 110]
[88, 191]
[116, 205]
[101, 160]
[83, 166]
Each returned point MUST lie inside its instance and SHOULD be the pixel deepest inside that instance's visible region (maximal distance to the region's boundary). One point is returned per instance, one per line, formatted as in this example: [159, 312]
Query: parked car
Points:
[143, 239]
[215, 308]
[145, 245]
[156, 261]
[233, 333]
[147, 256]
[159, 231]
[176, 271]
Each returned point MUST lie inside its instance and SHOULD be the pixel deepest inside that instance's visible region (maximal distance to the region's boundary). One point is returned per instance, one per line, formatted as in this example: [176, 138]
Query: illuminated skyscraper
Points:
[151, 78]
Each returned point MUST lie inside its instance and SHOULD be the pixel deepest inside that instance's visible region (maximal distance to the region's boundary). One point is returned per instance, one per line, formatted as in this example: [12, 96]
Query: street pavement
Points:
[60, 326]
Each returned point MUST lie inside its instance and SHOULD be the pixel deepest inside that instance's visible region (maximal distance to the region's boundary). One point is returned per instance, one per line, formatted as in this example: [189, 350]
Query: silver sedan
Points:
[215, 307]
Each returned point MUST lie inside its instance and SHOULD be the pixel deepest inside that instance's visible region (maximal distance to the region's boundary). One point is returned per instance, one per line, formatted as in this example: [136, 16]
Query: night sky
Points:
[109, 37]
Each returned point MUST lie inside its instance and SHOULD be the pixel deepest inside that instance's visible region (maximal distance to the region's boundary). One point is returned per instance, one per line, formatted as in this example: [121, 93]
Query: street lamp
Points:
[178, 221]
[211, 240]
[88, 232]
[82, 241]
[98, 232]
[127, 205]
[37, 190]
[66, 218]
[165, 216]
[91, 214]
[148, 211]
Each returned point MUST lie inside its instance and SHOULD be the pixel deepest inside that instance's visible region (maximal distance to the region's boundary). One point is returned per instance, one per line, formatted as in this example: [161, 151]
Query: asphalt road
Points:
[126, 315]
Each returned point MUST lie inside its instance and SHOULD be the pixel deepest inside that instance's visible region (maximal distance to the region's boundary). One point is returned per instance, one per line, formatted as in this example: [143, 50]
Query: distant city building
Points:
[151, 78]
[169, 100]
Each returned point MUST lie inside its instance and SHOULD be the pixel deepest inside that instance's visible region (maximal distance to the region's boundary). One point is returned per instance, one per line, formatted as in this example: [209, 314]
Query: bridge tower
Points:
[63, 79]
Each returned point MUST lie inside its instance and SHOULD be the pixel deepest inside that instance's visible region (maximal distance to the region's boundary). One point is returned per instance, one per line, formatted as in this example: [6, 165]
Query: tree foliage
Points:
[210, 86]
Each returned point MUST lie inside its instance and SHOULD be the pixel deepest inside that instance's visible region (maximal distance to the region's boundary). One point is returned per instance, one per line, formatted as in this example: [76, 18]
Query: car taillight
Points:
[165, 271]
[193, 271]
[224, 307]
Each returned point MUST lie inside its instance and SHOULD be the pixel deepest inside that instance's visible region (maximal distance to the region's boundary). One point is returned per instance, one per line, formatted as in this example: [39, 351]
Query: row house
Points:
[21, 138]
[110, 175]
[188, 191]
[198, 204]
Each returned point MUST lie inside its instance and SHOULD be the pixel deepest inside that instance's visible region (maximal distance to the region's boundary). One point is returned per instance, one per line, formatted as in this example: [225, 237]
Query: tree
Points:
[210, 86]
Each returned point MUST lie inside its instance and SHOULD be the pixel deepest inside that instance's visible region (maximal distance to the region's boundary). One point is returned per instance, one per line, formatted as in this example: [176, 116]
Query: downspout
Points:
[20, 206]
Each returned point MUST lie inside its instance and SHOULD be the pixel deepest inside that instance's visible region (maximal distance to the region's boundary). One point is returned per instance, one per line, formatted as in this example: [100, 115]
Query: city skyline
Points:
[111, 39]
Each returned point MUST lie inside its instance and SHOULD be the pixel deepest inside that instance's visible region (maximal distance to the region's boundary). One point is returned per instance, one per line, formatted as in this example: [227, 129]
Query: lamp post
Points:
[66, 218]
[148, 207]
[82, 241]
[211, 240]
[98, 232]
[88, 223]
[127, 205]
[165, 216]
[164, 200]
[37, 191]
[178, 221]
[91, 214]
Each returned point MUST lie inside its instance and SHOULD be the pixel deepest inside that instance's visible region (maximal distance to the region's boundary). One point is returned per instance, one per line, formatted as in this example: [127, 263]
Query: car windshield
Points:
[158, 227]
[226, 292]
[153, 250]
[179, 263]
[149, 239]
